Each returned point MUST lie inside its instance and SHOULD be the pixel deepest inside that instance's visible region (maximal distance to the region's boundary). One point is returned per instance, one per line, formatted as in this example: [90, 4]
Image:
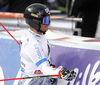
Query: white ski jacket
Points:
[34, 55]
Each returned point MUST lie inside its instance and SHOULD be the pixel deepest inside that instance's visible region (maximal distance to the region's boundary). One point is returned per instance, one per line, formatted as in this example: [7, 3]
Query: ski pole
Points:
[10, 34]
[29, 77]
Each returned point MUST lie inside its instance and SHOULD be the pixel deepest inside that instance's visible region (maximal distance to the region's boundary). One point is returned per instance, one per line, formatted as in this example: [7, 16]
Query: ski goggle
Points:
[46, 20]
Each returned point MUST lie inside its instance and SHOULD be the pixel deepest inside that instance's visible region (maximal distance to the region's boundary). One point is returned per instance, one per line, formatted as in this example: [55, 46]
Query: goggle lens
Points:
[46, 20]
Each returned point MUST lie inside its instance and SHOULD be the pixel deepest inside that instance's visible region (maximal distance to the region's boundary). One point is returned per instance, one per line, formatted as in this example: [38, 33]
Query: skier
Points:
[34, 51]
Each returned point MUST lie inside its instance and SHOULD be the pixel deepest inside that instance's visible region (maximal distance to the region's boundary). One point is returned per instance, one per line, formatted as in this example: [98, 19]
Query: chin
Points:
[46, 28]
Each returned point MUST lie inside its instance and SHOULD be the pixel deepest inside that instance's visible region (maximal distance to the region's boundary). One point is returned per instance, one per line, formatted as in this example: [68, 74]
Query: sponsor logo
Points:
[34, 15]
[37, 72]
[38, 51]
[47, 10]
[22, 63]
[40, 13]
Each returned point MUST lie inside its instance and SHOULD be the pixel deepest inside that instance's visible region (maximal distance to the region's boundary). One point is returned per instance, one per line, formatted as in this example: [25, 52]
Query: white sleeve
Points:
[47, 70]
[35, 53]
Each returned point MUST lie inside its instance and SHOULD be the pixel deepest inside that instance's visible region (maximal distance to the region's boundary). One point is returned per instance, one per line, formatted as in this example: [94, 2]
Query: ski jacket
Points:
[34, 55]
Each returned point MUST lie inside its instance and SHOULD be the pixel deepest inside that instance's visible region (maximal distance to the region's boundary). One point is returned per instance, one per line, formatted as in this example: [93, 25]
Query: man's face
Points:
[45, 23]
[44, 27]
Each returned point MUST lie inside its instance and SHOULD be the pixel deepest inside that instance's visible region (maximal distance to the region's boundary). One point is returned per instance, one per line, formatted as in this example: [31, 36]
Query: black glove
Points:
[72, 75]
[53, 80]
[67, 74]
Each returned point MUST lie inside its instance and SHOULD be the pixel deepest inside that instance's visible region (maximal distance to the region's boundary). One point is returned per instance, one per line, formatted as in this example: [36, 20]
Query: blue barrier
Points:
[9, 59]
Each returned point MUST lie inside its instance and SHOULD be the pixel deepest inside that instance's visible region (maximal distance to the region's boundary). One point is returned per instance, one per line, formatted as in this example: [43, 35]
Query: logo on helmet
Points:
[40, 13]
[34, 15]
[47, 11]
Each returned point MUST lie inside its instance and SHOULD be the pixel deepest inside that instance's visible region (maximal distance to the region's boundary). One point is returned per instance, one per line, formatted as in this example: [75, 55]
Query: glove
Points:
[66, 74]
[53, 80]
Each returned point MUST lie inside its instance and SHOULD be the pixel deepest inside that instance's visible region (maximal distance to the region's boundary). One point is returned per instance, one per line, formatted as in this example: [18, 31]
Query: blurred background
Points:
[76, 17]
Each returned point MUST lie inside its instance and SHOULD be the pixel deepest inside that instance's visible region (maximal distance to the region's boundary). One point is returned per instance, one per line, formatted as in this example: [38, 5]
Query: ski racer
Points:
[34, 50]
